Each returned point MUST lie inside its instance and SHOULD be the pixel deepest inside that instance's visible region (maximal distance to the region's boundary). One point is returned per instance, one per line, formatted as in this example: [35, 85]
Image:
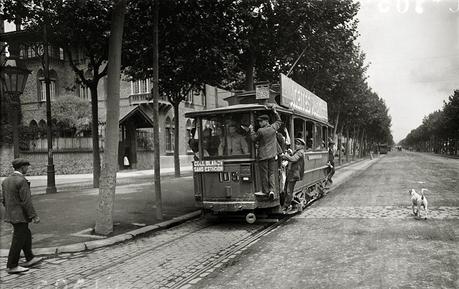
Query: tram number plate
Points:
[207, 166]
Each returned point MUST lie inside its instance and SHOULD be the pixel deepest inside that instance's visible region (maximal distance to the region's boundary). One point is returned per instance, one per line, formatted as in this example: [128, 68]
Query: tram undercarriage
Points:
[251, 213]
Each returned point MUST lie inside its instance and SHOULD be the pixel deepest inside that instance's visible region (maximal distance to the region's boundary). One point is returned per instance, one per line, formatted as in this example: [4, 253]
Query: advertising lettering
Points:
[302, 100]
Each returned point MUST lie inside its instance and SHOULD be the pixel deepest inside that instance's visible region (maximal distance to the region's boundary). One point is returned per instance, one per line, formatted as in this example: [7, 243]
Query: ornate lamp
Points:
[13, 80]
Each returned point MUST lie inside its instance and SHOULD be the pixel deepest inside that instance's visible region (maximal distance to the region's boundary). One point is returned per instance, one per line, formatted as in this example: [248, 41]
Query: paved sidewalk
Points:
[77, 181]
[76, 203]
[134, 213]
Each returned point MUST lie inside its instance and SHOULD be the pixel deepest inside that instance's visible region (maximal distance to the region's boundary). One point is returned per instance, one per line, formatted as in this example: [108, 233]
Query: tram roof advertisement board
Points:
[302, 100]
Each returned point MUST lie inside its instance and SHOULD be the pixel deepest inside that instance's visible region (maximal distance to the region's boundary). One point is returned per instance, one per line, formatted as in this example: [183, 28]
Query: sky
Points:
[412, 48]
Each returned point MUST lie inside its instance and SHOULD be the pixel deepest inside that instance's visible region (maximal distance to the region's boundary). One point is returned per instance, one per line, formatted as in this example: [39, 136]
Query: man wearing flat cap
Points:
[267, 152]
[19, 211]
[295, 172]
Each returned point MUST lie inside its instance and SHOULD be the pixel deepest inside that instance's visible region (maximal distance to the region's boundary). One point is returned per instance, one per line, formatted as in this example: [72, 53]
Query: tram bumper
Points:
[231, 206]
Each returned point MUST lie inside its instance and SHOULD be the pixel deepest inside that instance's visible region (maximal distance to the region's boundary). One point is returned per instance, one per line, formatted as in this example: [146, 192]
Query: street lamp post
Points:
[51, 179]
[13, 80]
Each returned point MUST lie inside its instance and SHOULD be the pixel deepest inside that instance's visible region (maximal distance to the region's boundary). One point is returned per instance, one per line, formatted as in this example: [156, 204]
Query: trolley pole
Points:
[155, 94]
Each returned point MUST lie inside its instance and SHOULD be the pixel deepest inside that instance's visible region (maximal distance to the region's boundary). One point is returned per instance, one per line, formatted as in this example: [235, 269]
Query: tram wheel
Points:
[250, 218]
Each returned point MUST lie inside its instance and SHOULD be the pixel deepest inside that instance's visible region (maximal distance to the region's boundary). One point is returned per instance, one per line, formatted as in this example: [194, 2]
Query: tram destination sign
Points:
[302, 100]
[207, 166]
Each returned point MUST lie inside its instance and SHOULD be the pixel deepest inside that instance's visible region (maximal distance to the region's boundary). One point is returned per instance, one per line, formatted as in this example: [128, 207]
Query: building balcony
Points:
[145, 98]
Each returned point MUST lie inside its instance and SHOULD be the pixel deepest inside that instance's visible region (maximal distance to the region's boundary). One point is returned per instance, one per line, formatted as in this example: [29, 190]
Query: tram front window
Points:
[222, 136]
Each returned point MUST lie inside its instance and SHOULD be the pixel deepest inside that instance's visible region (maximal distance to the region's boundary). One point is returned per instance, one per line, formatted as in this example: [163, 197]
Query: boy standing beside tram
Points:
[295, 172]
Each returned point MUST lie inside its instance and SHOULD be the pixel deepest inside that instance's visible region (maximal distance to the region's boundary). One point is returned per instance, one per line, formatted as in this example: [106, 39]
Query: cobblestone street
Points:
[354, 237]
[388, 212]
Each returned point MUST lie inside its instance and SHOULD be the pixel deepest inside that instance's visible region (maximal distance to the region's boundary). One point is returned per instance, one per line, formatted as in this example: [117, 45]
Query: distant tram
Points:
[226, 173]
[383, 148]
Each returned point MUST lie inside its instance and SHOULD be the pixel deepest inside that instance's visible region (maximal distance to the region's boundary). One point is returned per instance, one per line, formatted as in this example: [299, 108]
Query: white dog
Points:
[418, 201]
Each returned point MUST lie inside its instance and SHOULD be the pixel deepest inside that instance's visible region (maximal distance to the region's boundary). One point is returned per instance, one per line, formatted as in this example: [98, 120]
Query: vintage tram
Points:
[226, 171]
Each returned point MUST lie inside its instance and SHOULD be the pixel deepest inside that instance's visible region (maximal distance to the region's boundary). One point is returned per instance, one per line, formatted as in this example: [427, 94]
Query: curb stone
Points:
[95, 244]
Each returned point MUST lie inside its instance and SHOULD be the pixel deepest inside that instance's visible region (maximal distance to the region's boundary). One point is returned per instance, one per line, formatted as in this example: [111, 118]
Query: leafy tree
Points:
[81, 28]
[439, 131]
[193, 49]
[72, 112]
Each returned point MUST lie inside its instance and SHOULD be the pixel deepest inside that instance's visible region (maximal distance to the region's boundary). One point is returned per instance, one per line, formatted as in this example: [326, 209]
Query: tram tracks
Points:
[218, 258]
[129, 257]
[229, 254]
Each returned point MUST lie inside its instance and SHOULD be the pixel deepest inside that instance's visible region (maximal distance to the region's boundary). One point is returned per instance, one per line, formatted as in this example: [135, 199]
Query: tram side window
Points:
[309, 138]
[317, 136]
[324, 137]
[298, 128]
[222, 136]
[286, 141]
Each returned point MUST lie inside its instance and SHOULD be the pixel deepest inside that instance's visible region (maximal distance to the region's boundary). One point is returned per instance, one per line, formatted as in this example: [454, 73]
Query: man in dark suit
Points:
[19, 211]
[267, 151]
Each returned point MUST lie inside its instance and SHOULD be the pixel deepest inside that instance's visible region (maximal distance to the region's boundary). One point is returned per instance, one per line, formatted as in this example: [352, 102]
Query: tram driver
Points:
[236, 143]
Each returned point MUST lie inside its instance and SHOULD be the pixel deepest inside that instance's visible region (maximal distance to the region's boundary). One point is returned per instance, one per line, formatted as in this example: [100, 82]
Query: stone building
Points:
[135, 112]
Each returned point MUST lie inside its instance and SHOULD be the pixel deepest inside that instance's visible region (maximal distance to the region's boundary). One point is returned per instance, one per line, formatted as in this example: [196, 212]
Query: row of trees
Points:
[226, 43]
[439, 131]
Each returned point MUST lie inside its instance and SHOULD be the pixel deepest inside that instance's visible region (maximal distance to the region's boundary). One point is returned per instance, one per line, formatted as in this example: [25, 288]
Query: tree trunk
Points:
[340, 153]
[155, 95]
[347, 144]
[336, 123]
[176, 141]
[106, 200]
[354, 143]
[249, 71]
[95, 135]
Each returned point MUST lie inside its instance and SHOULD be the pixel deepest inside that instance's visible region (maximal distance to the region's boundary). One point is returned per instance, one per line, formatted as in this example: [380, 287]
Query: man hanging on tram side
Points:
[267, 152]
[295, 172]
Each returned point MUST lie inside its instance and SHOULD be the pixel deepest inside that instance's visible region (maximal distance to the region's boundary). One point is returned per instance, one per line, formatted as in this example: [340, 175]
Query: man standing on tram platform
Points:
[267, 152]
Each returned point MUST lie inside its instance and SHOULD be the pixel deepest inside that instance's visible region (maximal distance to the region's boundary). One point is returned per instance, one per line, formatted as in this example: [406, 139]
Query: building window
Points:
[141, 86]
[85, 92]
[52, 90]
[42, 85]
[189, 135]
[30, 52]
[189, 97]
[169, 134]
[22, 52]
